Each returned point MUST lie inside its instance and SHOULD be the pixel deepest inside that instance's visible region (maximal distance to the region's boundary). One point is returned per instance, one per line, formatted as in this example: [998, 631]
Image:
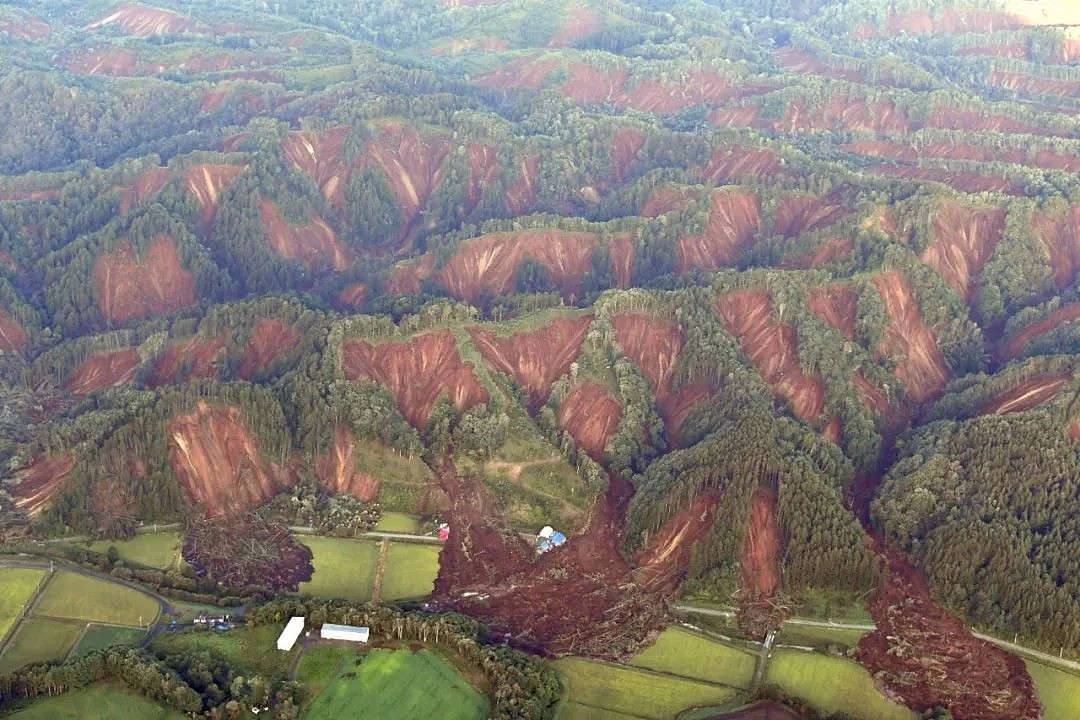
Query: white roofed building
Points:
[345, 632]
[289, 635]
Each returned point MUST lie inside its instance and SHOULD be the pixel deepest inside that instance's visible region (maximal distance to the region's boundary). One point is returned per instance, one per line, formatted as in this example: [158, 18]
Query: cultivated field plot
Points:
[320, 664]
[398, 685]
[253, 650]
[410, 571]
[78, 597]
[1058, 690]
[100, 701]
[17, 585]
[832, 685]
[395, 522]
[687, 654]
[98, 637]
[596, 688]
[158, 550]
[813, 636]
[343, 568]
[40, 640]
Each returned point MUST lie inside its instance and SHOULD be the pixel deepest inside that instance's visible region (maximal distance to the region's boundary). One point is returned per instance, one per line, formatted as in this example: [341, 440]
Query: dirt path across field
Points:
[380, 571]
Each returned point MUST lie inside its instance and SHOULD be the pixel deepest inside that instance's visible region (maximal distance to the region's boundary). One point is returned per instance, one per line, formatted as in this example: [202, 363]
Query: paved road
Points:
[1011, 647]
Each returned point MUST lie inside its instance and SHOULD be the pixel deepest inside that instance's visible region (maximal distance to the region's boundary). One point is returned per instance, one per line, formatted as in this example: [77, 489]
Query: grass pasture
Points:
[1059, 691]
[395, 522]
[599, 690]
[40, 640]
[157, 550]
[78, 597]
[832, 685]
[17, 586]
[410, 571]
[813, 636]
[98, 637]
[253, 650]
[344, 568]
[398, 685]
[320, 664]
[687, 654]
[99, 701]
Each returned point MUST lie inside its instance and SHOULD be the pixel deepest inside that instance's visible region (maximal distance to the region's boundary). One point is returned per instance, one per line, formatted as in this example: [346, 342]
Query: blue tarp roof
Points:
[557, 538]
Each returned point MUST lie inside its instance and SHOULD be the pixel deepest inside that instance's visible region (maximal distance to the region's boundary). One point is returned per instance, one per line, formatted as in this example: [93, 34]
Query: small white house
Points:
[345, 632]
[289, 635]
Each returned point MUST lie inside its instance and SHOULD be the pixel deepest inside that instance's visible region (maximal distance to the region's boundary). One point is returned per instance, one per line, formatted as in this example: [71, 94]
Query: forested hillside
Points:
[760, 301]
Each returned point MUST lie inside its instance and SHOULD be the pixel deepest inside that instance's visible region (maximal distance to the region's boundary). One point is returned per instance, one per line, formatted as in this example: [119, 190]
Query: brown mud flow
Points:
[583, 598]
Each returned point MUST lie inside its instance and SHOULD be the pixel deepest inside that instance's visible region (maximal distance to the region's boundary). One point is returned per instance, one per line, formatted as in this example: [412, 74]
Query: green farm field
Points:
[40, 640]
[632, 692]
[100, 701]
[98, 637]
[344, 568]
[832, 685]
[410, 571]
[253, 649]
[1058, 690]
[395, 522]
[398, 685]
[319, 665]
[687, 654]
[157, 550]
[78, 597]
[17, 586]
[814, 636]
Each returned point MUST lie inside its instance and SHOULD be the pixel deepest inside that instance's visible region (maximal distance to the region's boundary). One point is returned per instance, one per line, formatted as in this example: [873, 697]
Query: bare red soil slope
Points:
[12, 335]
[483, 170]
[964, 238]
[39, 481]
[142, 21]
[206, 182]
[589, 85]
[267, 340]
[537, 358]
[835, 304]
[416, 372]
[145, 186]
[965, 181]
[521, 195]
[673, 544]
[654, 346]
[1060, 236]
[590, 415]
[321, 156]
[734, 161]
[338, 469]
[834, 250]
[25, 27]
[353, 297]
[927, 658]
[920, 366]
[734, 220]
[105, 370]
[413, 164]
[1027, 395]
[773, 349]
[314, 245]
[581, 22]
[217, 461]
[133, 288]
[759, 564]
[189, 360]
[623, 260]
[951, 21]
[798, 214]
[625, 147]
[1061, 316]
[488, 264]
[1034, 84]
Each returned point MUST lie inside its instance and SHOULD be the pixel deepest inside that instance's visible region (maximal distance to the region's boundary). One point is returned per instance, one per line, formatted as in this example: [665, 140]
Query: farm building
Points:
[292, 631]
[549, 538]
[345, 632]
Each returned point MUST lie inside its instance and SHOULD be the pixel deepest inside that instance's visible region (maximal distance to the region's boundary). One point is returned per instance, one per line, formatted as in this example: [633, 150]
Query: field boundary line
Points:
[79, 639]
[601, 707]
[380, 571]
[26, 612]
